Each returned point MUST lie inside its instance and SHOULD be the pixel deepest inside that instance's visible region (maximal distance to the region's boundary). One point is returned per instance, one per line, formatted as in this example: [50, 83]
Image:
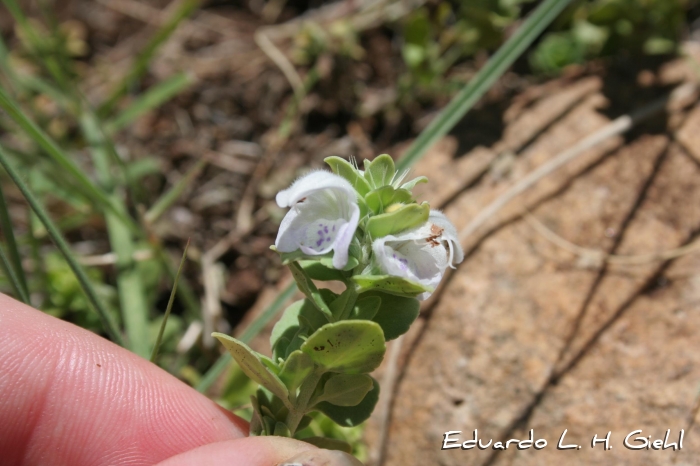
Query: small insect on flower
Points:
[421, 254]
[323, 217]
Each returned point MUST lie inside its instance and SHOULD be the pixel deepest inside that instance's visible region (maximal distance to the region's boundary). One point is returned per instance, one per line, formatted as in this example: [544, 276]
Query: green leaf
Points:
[389, 284]
[351, 416]
[351, 347]
[409, 185]
[346, 389]
[250, 332]
[343, 304]
[325, 259]
[396, 313]
[269, 363]
[252, 366]
[328, 262]
[328, 443]
[295, 369]
[288, 324]
[256, 421]
[311, 317]
[404, 218]
[304, 423]
[307, 287]
[269, 423]
[380, 171]
[281, 430]
[381, 198]
[343, 168]
[366, 308]
[318, 271]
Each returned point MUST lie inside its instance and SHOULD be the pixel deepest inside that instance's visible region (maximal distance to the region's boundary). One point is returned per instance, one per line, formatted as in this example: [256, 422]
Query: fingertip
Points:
[250, 451]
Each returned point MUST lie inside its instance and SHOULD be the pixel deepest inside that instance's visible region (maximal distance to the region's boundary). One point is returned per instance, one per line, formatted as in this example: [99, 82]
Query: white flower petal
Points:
[310, 183]
[323, 217]
[449, 234]
[421, 254]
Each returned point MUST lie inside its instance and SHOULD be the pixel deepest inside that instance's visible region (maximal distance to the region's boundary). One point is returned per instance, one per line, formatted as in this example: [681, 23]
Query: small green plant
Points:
[365, 229]
[604, 27]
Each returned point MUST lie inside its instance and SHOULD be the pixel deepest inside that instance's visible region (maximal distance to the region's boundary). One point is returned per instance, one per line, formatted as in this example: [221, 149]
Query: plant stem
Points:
[306, 391]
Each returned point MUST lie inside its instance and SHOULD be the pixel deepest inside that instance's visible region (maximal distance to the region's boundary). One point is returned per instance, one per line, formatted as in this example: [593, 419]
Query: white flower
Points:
[421, 254]
[323, 216]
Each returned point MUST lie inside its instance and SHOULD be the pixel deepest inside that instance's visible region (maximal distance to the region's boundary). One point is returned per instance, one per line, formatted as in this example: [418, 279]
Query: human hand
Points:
[68, 396]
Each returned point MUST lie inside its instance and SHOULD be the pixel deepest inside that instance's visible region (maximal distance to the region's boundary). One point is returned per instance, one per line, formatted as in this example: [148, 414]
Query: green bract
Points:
[365, 230]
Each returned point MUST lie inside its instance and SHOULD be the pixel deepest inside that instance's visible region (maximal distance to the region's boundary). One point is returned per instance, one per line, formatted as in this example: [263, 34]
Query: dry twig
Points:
[597, 257]
[619, 126]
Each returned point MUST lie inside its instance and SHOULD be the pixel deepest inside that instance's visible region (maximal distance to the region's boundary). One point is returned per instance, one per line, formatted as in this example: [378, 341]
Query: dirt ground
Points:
[527, 335]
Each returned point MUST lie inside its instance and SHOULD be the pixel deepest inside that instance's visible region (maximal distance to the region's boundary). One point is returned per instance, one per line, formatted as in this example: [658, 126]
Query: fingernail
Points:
[322, 458]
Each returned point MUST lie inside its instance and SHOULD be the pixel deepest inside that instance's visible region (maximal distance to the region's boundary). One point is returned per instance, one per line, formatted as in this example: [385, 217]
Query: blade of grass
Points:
[109, 325]
[253, 329]
[132, 296]
[168, 198]
[12, 277]
[30, 82]
[152, 98]
[140, 66]
[169, 308]
[15, 260]
[48, 56]
[184, 291]
[41, 281]
[5, 65]
[506, 55]
[51, 148]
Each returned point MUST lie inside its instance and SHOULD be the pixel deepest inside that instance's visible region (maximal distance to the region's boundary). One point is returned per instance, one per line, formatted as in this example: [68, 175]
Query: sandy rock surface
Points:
[528, 335]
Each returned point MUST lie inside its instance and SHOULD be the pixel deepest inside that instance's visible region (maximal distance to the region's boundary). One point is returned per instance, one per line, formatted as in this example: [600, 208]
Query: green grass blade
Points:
[12, 277]
[51, 148]
[5, 64]
[48, 57]
[109, 325]
[15, 260]
[515, 46]
[140, 66]
[152, 98]
[167, 199]
[132, 296]
[184, 290]
[253, 329]
[169, 308]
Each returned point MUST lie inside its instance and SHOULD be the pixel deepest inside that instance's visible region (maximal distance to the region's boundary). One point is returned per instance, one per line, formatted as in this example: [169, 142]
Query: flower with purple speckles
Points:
[421, 254]
[323, 217]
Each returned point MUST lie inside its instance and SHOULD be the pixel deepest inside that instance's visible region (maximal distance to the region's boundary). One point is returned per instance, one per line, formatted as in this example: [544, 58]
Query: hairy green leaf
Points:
[351, 347]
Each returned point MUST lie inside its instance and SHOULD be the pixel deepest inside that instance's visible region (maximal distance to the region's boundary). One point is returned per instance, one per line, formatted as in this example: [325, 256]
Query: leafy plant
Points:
[603, 27]
[364, 229]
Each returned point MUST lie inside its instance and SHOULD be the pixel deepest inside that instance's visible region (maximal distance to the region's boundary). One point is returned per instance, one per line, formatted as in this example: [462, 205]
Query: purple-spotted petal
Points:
[323, 216]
